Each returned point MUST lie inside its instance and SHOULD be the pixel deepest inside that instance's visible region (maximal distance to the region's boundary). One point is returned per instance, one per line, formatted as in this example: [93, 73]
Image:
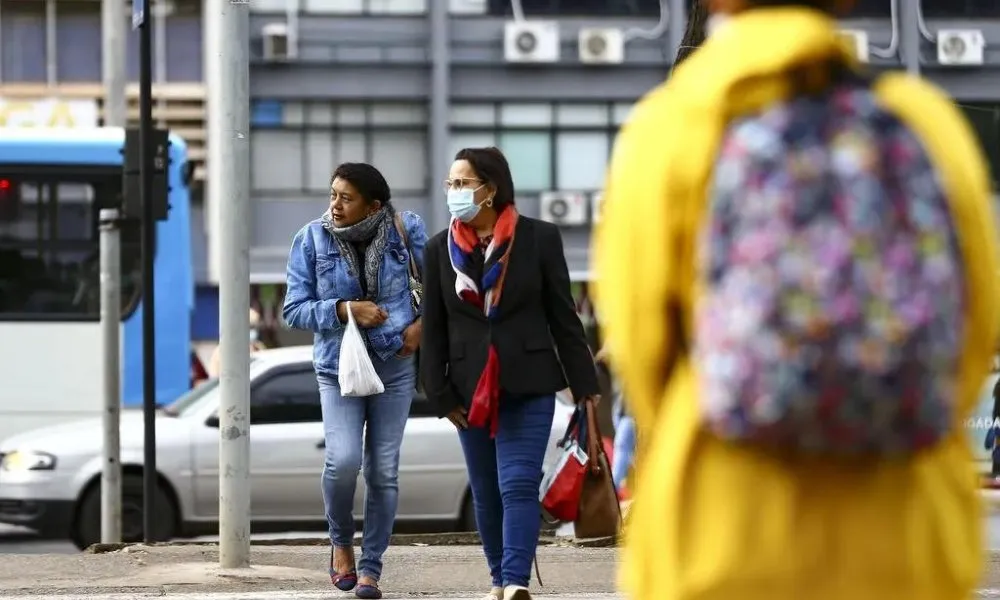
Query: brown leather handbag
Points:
[600, 514]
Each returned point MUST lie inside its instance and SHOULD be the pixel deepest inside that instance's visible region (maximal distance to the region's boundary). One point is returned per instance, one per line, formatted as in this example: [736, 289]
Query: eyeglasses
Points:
[461, 183]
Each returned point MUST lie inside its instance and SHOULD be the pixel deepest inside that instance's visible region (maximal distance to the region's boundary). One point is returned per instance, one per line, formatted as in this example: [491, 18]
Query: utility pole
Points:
[115, 115]
[111, 471]
[229, 108]
[141, 20]
[113, 58]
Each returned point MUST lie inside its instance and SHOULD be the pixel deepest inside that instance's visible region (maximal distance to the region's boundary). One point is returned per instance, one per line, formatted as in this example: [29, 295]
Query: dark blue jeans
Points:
[505, 474]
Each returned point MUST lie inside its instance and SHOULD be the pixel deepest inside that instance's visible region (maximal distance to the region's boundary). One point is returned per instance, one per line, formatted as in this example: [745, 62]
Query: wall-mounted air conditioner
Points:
[276, 42]
[595, 206]
[857, 39]
[564, 208]
[601, 46]
[960, 46]
[531, 42]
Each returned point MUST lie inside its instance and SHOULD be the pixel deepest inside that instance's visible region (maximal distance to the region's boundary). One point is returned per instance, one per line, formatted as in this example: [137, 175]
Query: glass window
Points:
[961, 8]
[467, 7]
[49, 247]
[320, 113]
[266, 6]
[78, 53]
[320, 159]
[581, 159]
[620, 112]
[293, 114]
[22, 41]
[351, 115]
[530, 115]
[276, 159]
[985, 120]
[351, 146]
[330, 6]
[397, 7]
[402, 158]
[468, 139]
[473, 114]
[582, 115]
[530, 156]
[291, 397]
[398, 114]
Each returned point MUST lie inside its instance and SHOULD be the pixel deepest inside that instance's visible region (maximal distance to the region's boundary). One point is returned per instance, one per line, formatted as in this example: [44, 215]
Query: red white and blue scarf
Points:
[484, 295]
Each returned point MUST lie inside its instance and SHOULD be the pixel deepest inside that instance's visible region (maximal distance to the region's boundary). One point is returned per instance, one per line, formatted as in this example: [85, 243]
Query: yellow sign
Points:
[47, 112]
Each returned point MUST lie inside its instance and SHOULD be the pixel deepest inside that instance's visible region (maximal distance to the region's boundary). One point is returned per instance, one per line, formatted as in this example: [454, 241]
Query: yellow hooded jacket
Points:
[717, 521]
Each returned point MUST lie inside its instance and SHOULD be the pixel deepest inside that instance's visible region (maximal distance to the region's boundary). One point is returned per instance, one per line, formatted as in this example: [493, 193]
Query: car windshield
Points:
[178, 406]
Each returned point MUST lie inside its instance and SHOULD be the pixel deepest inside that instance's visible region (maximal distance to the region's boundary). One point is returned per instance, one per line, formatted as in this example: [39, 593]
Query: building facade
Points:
[404, 83]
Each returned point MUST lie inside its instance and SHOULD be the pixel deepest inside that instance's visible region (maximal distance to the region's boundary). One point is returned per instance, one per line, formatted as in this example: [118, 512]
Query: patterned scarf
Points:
[484, 295]
[373, 229]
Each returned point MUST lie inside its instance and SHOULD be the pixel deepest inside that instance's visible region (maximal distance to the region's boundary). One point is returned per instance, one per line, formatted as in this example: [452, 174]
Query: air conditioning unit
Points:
[531, 42]
[857, 39]
[276, 42]
[960, 46]
[564, 208]
[601, 46]
[595, 206]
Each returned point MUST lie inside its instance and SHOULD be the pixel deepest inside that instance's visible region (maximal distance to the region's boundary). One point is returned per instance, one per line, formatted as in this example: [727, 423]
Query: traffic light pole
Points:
[146, 149]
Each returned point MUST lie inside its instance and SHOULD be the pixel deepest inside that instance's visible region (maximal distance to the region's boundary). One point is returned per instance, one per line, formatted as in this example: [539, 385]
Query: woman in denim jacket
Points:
[355, 253]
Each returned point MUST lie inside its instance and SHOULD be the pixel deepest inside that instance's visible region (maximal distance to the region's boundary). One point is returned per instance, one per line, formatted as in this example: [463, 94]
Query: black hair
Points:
[491, 166]
[366, 179]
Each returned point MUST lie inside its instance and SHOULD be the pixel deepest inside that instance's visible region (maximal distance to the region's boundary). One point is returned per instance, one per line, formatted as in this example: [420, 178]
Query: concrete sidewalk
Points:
[291, 572]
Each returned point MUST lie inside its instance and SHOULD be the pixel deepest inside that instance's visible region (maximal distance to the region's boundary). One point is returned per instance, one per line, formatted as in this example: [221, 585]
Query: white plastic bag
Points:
[357, 375]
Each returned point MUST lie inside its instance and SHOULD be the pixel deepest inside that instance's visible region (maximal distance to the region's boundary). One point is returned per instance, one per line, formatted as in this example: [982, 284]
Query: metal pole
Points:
[440, 130]
[909, 34]
[113, 57]
[111, 472]
[231, 50]
[149, 483]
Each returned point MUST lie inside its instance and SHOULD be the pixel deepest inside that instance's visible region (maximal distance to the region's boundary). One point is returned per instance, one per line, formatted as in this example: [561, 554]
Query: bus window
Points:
[49, 249]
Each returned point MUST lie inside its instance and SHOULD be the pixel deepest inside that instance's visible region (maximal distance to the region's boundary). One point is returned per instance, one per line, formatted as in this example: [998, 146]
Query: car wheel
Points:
[468, 520]
[87, 527]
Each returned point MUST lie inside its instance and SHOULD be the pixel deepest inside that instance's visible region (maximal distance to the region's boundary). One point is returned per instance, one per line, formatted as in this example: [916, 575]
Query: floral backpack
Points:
[831, 316]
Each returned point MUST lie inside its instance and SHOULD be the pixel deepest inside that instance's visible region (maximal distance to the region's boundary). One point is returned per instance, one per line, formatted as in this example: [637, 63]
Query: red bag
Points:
[560, 490]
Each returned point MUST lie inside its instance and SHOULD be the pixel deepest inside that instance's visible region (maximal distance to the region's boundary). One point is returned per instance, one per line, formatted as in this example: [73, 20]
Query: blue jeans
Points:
[504, 474]
[382, 419]
[624, 449]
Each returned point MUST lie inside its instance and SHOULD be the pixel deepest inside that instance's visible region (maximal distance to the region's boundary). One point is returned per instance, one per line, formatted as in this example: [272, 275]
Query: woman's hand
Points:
[594, 398]
[367, 314]
[458, 417]
[411, 339]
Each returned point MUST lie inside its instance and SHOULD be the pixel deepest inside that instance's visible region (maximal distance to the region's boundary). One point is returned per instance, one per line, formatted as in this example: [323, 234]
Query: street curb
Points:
[435, 539]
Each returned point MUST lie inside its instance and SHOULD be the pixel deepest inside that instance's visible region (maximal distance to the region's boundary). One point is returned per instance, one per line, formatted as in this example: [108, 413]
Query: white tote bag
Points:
[357, 375]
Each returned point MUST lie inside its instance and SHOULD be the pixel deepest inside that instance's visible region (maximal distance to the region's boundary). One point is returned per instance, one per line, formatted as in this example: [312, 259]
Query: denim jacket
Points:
[318, 278]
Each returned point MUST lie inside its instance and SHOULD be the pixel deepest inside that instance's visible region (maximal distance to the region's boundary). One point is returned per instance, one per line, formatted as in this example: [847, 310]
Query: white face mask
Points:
[715, 22]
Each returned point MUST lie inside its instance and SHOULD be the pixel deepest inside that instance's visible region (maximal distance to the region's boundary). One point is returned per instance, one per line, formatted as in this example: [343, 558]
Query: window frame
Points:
[130, 246]
[368, 129]
[553, 129]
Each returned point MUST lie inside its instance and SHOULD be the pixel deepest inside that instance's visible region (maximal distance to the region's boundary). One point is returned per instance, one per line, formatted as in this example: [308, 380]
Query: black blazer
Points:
[538, 335]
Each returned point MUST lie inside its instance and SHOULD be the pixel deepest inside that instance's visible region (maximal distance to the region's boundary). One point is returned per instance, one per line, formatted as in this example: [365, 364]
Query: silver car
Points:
[50, 477]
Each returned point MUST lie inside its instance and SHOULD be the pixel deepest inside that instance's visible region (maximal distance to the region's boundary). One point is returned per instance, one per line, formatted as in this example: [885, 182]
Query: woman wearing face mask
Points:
[355, 257]
[497, 309]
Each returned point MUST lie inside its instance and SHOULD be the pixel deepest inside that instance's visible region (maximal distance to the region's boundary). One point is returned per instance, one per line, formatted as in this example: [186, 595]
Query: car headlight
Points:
[27, 460]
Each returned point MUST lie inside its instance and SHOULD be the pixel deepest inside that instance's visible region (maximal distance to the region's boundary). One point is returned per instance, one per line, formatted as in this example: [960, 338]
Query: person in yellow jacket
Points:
[713, 520]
